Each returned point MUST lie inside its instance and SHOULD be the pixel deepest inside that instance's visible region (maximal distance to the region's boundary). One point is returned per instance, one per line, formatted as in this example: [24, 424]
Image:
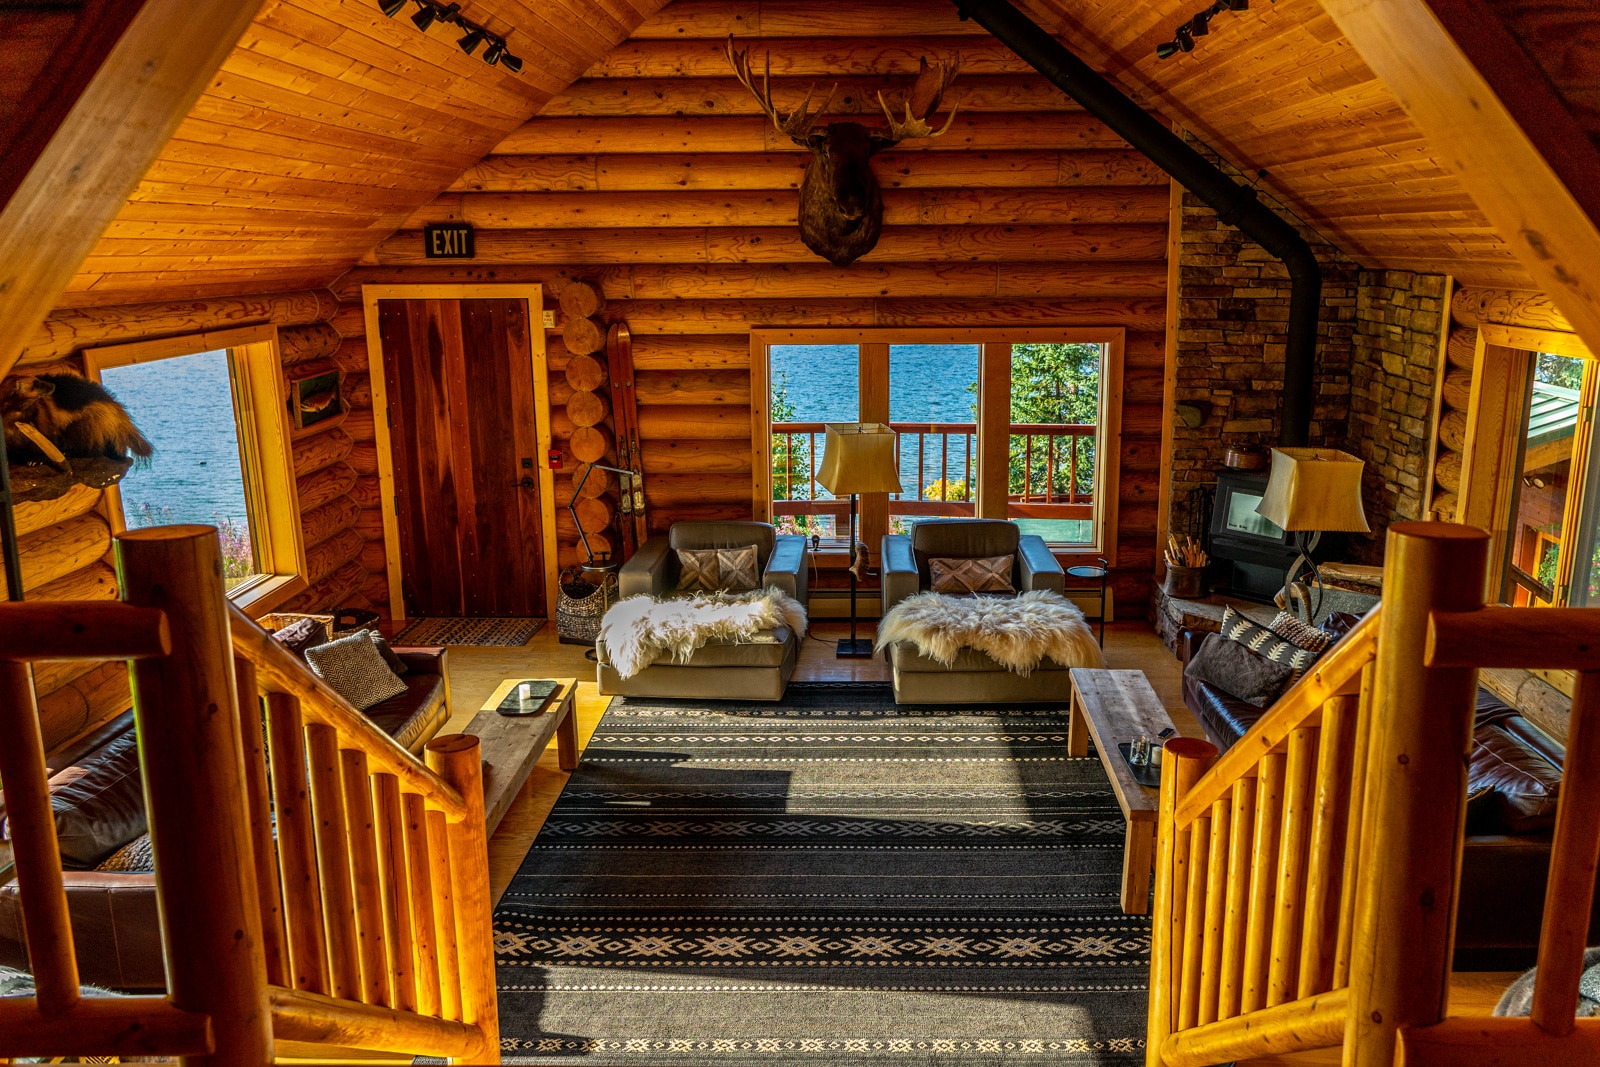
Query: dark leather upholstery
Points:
[653, 570]
[1506, 859]
[906, 556]
[114, 919]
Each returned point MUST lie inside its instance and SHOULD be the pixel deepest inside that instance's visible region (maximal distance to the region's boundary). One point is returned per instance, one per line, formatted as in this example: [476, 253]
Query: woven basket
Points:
[579, 607]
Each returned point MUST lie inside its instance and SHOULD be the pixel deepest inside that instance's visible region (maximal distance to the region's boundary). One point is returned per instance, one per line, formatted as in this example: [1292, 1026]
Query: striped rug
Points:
[829, 880]
[445, 630]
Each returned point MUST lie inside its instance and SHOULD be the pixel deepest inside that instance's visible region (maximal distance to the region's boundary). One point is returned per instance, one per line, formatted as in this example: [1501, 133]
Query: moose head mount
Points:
[841, 206]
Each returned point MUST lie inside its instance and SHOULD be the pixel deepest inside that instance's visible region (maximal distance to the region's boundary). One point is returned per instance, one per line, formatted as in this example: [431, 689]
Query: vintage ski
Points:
[624, 417]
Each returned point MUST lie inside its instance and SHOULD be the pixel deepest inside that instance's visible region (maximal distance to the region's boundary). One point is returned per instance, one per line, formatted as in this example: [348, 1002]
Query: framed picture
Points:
[312, 400]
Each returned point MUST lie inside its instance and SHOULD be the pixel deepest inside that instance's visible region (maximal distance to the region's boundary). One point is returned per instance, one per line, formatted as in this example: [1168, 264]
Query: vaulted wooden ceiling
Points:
[330, 124]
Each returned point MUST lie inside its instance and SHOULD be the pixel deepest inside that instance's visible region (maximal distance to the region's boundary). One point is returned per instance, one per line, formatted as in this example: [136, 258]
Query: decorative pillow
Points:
[698, 569]
[1298, 633]
[136, 857]
[355, 670]
[737, 569]
[977, 574]
[1239, 672]
[301, 635]
[708, 570]
[98, 803]
[1262, 641]
[395, 663]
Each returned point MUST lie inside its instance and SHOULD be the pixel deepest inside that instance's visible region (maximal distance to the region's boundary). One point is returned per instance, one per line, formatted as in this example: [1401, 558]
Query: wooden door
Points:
[459, 377]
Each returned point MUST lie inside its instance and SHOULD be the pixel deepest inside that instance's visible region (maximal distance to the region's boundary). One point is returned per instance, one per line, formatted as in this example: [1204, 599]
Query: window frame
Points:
[266, 451]
[992, 452]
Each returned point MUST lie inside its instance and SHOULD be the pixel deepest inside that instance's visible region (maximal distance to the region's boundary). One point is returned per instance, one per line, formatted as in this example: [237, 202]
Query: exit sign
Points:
[453, 241]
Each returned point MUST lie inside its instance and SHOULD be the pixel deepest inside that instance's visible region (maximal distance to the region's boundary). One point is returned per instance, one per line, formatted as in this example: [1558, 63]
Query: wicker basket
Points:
[579, 607]
[279, 619]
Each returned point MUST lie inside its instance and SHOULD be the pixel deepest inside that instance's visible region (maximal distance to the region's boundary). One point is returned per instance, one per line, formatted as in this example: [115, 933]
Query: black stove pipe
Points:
[1235, 204]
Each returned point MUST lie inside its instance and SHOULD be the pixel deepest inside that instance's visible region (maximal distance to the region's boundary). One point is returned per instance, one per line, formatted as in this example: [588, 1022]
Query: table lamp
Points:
[858, 457]
[1312, 491]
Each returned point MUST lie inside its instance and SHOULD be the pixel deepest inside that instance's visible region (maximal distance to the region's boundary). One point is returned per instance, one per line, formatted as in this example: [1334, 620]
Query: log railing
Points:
[1306, 880]
[317, 884]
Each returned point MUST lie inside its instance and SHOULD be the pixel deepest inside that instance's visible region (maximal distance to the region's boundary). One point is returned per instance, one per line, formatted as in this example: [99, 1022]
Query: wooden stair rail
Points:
[316, 882]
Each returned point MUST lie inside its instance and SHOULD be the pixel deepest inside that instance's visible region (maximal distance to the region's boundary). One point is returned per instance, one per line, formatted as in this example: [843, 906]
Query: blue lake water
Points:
[185, 407]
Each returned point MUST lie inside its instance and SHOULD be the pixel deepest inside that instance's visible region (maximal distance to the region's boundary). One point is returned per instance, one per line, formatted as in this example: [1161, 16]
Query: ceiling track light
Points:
[1198, 26]
[431, 11]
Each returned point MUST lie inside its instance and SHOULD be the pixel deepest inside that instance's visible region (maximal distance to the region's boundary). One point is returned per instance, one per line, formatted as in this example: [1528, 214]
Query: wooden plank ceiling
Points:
[330, 124]
[325, 128]
[1281, 94]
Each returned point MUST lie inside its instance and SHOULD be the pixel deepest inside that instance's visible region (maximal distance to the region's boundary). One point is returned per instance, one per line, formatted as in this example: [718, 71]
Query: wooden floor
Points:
[475, 672]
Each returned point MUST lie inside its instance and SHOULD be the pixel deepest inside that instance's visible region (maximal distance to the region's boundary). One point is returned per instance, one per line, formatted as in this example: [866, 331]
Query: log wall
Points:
[656, 178]
[66, 543]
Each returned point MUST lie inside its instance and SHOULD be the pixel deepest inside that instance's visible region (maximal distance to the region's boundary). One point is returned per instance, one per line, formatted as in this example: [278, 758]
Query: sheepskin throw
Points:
[639, 629]
[1018, 632]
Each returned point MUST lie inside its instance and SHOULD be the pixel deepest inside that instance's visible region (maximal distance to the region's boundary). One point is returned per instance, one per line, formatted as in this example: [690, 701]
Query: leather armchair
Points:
[905, 556]
[653, 570]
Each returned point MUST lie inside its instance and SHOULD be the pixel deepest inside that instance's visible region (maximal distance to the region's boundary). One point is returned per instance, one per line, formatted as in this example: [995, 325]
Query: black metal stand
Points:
[8, 530]
[853, 647]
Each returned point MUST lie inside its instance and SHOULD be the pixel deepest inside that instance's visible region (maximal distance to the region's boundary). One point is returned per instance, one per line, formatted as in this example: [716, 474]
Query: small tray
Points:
[543, 693]
[1145, 776]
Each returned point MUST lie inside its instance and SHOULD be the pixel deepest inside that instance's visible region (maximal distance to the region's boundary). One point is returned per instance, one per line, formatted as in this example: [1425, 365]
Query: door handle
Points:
[526, 483]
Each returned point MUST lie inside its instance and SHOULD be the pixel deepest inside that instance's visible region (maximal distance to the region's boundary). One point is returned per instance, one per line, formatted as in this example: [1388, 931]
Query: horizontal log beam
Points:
[103, 1026]
[715, 19]
[721, 172]
[1562, 639]
[1041, 243]
[692, 387]
[901, 207]
[740, 316]
[66, 330]
[695, 457]
[691, 353]
[753, 133]
[57, 551]
[78, 706]
[812, 57]
[64, 629]
[328, 1022]
[37, 515]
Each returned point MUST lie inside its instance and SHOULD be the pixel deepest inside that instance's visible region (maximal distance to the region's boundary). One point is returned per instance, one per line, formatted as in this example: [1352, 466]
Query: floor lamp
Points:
[1313, 491]
[858, 457]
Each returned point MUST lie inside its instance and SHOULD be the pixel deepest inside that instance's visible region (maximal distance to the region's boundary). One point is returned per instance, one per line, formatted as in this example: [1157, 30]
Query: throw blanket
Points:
[639, 629]
[1017, 632]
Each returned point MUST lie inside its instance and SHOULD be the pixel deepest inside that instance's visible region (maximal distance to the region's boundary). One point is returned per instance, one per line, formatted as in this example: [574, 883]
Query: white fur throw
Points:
[639, 629]
[1017, 632]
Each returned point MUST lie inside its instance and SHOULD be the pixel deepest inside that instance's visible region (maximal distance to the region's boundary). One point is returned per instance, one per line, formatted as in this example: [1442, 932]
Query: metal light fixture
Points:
[1197, 26]
[391, 8]
[471, 41]
[492, 54]
[511, 63]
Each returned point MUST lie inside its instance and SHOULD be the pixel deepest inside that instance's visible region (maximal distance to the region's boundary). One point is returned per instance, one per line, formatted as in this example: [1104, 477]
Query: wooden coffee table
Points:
[511, 744]
[1113, 707]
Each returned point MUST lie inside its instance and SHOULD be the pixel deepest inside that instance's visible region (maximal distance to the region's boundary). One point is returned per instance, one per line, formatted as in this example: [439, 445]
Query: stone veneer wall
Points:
[1392, 380]
[1233, 311]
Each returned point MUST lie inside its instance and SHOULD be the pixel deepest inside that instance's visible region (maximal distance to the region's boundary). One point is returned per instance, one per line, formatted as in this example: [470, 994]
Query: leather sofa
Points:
[115, 926]
[718, 670]
[974, 677]
[1513, 778]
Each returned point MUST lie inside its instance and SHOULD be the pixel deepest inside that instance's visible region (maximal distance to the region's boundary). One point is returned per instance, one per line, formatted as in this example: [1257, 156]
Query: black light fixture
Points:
[469, 44]
[492, 54]
[1198, 26]
[391, 8]
[431, 12]
[511, 63]
[426, 17]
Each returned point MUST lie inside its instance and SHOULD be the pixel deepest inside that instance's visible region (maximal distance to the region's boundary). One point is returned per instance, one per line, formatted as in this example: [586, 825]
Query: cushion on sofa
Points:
[300, 635]
[414, 715]
[1262, 641]
[1525, 787]
[353, 668]
[1240, 672]
[981, 574]
[98, 803]
[395, 663]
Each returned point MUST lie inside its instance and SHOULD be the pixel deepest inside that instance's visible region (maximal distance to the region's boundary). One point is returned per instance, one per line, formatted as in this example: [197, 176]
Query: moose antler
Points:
[922, 102]
[796, 124]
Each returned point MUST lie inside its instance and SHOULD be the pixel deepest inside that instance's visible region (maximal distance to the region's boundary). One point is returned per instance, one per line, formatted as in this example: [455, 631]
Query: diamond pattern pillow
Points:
[1286, 626]
[698, 570]
[737, 569]
[353, 668]
[1263, 642]
[979, 574]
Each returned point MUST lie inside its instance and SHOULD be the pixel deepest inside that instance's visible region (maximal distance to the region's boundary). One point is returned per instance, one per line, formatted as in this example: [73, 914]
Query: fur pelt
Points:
[639, 629]
[1017, 632]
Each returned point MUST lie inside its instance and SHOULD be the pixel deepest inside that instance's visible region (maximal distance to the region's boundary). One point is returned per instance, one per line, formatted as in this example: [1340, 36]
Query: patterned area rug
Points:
[829, 880]
[511, 633]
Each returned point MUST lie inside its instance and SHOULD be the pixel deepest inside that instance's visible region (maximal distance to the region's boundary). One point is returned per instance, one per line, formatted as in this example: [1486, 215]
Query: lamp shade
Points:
[1314, 489]
[858, 457]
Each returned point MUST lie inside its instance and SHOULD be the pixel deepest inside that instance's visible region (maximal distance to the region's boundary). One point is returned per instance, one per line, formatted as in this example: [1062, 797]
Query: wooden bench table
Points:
[511, 744]
[1114, 707]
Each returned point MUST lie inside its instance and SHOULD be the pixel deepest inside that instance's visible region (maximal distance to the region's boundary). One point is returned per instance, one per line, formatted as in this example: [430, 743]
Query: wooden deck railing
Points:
[1305, 880]
[1050, 486]
[317, 883]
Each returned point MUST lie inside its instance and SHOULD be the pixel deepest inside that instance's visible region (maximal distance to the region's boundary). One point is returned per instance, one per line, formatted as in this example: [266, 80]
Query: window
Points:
[1048, 413]
[213, 407]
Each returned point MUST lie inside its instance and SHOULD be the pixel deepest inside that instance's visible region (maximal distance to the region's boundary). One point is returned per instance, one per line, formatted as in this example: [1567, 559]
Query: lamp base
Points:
[854, 648]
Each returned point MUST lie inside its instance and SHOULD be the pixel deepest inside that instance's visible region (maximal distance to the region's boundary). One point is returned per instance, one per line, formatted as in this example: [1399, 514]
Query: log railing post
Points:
[185, 705]
[455, 759]
[1405, 902]
[1186, 760]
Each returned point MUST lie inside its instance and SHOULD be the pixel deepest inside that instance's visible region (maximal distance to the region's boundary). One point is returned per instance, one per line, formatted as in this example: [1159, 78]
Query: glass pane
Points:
[1055, 408]
[1534, 541]
[812, 385]
[933, 398]
[185, 407]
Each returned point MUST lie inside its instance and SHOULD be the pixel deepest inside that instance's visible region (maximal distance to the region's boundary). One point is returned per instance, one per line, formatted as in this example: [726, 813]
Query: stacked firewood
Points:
[592, 439]
[1456, 391]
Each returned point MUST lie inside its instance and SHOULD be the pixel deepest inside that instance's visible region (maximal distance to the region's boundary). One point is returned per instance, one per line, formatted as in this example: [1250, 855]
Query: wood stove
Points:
[1249, 554]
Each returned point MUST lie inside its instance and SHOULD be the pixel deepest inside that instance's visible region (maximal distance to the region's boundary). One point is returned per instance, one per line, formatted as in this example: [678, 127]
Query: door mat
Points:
[509, 633]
